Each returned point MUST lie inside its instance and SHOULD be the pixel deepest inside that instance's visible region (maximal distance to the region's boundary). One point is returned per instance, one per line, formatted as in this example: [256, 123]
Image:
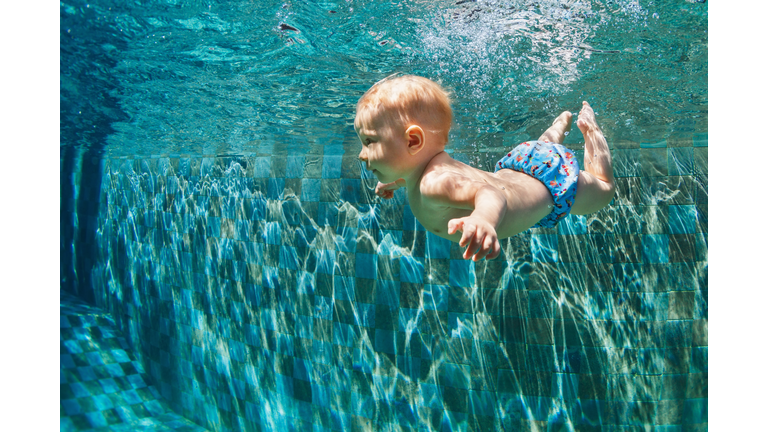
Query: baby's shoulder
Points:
[434, 182]
[442, 182]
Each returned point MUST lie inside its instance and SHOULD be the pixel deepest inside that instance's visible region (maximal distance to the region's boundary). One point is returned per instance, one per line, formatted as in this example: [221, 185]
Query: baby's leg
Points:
[556, 132]
[596, 183]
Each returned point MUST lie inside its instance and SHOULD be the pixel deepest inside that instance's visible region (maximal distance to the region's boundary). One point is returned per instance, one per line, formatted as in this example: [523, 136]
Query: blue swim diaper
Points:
[555, 166]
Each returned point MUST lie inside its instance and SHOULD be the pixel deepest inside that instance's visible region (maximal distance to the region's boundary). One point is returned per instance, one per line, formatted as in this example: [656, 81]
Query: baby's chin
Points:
[382, 178]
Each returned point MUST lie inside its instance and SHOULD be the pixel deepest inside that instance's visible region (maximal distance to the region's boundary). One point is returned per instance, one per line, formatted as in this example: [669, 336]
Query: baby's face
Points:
[384, 149]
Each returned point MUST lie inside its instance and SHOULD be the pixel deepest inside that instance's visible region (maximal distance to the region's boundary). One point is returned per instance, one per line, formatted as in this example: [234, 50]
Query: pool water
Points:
[212, 206]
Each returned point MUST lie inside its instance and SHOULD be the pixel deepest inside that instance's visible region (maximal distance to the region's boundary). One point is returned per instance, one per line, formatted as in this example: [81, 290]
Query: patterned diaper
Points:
[555, 166]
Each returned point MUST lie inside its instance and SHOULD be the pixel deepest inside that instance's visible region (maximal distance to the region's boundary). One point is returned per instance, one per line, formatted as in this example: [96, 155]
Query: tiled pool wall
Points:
[276, 291]
[103, 386]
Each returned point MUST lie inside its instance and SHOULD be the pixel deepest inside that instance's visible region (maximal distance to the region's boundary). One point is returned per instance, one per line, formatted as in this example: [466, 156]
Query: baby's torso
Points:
[528, 201]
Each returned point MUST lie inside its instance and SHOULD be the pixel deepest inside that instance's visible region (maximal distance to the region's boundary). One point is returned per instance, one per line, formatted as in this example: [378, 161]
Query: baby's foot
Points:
[587, 121]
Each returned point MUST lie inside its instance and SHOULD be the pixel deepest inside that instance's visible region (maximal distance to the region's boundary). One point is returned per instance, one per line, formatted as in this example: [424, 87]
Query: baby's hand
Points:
[386, 191]
[478, 236]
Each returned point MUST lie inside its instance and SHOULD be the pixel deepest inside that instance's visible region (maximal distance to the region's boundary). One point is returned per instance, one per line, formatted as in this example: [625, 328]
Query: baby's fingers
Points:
[467, 234]
[496, 250]
[473, 242]
[491, 248]
[455, 225]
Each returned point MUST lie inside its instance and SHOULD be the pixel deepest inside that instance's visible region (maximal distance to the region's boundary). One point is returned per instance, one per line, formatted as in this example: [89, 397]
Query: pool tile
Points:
[656, 219]
[682, 219]
[654, 144]
[331, 166]
[653, 162]
[461, 273]
[699, 360]
[680, 161]
[310, 189]
[700, 140]
[71, 406]
[657, 270]
[628, 191]
[97, 419]
[626, 162]
[682, 248]
[695, 411]
[544, 248]
[655, 248]
[294, 167]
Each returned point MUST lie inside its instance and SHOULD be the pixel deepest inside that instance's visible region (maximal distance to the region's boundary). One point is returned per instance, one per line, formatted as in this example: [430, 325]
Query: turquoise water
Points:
[212, 203]
[213, 78]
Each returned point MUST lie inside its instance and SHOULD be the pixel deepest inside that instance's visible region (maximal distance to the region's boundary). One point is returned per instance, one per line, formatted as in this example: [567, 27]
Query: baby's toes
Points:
[582, 124]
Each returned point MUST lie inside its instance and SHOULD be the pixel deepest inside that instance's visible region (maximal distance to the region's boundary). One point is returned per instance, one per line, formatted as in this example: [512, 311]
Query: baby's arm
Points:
[387, 190]
[488, 206]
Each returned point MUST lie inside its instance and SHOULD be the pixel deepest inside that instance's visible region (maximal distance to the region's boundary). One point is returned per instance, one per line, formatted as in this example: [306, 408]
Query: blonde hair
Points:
[406, 100]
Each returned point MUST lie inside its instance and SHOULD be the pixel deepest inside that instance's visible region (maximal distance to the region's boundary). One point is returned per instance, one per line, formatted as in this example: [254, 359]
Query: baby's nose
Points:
[362, 156]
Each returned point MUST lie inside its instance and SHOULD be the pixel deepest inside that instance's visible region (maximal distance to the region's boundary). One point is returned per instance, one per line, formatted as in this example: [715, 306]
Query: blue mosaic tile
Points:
[310, 190]
[366, 314]
[544, 248]
[343, 288]
[275, 188]
[387, 293]
[409, 220]
[317, 329]
[327, 214]
[86, 373]
[655, 248]
[350, 190]
[66, 362]
[680, 161]
[696, 411]
[411, 270]
[346, 239]
[459, 324]
[657, 144]
[700, 140]
[572, 225]
[115, 370]
[682, 219]
[331, 166]
[71, 407]
[461, 273]
[668, 428]
[289, 258]
[295, 167]
[261, 167]
[436, 297]
[99, 396]
[437, 247]
[272, 233]
[453, 375]
[365, 266]
[536, 408]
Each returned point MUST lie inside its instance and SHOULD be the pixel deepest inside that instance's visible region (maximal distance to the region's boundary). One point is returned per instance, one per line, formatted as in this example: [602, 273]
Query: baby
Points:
[403, 124]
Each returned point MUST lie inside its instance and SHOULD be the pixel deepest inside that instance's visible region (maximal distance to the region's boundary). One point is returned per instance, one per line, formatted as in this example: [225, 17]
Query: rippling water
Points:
[169, 77]
[241, 235]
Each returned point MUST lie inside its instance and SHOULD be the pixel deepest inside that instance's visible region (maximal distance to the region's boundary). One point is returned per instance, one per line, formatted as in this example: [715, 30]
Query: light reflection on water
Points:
[259, 290]
[264, 295]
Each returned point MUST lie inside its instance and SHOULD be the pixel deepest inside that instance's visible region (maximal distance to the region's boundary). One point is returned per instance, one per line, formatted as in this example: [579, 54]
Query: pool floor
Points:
[103, 385]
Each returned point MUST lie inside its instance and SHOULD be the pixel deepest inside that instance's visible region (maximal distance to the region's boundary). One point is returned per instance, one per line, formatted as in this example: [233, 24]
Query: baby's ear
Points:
[415, 136]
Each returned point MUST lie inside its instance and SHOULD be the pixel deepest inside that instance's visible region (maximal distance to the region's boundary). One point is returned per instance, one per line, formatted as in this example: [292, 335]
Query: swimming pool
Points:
[213, 204]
